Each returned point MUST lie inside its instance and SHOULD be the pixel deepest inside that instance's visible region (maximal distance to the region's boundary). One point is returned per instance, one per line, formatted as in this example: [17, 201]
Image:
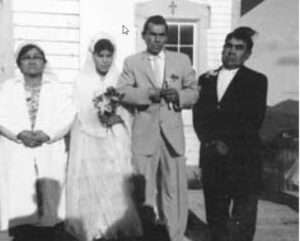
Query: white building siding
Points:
[55, 26]
[220, 25]
[6, 58]
[54, 23]
[109, 16]
[47, 6]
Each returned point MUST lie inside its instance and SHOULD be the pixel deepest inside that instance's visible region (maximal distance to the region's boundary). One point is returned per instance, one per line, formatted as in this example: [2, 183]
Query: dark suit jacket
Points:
[236, 120]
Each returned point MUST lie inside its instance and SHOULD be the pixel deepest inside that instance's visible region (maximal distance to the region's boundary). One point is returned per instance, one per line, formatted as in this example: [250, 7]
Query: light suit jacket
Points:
[150, 119]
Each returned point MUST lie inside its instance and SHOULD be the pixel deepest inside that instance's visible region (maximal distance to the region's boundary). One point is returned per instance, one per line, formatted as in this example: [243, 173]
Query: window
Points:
[181, 38]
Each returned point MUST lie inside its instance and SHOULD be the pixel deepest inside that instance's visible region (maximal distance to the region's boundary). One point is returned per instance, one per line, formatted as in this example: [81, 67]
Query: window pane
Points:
[188, 51]
[171, 48]
[173, 34]
[186, 34]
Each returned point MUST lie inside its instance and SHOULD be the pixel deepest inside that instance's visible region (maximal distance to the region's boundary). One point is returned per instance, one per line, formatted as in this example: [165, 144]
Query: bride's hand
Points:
[114, 119]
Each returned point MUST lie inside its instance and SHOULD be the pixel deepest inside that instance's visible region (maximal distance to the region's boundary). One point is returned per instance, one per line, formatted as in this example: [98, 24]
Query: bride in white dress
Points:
[98, 192]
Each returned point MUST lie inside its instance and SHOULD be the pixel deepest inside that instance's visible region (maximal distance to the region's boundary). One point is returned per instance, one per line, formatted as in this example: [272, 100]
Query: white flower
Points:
[212, 73]
[102, 103]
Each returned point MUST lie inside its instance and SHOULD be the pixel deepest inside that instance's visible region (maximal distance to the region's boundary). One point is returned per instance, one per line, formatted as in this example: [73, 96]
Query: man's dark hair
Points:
[25, 49]
[155, 19]
[104, 44]
[242, 33]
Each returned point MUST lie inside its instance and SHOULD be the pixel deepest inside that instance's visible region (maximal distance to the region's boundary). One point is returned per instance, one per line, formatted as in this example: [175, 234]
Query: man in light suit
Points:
[227, 119]
[159, 84]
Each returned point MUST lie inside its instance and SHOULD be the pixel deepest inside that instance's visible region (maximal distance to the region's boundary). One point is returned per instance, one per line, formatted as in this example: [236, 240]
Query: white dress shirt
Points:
[224, 79]
[161, 66]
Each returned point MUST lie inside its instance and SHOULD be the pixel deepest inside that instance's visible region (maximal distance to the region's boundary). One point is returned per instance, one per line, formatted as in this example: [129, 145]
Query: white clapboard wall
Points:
[54, 25]
[219, 25]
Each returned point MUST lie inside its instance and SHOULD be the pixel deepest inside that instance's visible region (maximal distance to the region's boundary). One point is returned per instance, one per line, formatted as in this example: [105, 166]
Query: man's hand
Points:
[170, 95]
[221, 147]
[155, 95]
[28, 138]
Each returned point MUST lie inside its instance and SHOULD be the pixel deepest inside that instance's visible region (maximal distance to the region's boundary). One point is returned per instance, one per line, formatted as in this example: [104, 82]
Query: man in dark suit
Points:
[227, 119]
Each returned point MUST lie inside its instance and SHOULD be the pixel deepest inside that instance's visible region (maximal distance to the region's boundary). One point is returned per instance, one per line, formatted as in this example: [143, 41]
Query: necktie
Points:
[157, 70]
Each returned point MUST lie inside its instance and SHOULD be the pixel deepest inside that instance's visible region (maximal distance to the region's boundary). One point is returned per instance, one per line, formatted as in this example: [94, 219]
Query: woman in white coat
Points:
[35, 114]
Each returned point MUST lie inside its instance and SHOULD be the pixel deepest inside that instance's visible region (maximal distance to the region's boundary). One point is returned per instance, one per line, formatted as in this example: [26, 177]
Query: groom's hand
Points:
[221, 147]
[155, 95]
[170, 95]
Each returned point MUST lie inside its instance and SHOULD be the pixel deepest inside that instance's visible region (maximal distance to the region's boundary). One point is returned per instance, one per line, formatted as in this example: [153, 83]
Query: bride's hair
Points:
[104, 44]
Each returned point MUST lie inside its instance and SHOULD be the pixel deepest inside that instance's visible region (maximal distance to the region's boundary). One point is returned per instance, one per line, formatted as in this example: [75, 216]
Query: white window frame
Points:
[195, 34]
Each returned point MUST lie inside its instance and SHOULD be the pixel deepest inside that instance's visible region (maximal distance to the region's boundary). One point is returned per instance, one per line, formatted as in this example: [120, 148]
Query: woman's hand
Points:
[28, 138]
[33, 138]
[114, 119]
[41, 137]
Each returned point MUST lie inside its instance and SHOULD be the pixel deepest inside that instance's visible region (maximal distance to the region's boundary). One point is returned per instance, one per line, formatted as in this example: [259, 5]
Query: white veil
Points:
[100, 164]
[89, 83]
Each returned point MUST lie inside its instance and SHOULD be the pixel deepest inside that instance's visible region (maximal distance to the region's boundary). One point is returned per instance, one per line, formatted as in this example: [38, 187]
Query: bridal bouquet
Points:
[106, 104]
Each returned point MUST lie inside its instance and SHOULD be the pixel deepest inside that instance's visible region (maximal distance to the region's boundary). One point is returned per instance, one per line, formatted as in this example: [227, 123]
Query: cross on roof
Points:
[173, 6]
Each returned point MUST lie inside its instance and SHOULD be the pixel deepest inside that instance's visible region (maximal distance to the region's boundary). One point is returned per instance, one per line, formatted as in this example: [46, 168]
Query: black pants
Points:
[231, 218]
[230, 185]
[231, 207]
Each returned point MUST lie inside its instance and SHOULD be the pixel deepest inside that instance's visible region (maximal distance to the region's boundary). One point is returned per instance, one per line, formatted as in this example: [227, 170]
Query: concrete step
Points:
[4, 236]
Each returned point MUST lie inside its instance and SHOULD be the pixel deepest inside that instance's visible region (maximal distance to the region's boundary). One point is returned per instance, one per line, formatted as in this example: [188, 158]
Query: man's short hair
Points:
[242, 33]
[155, 19]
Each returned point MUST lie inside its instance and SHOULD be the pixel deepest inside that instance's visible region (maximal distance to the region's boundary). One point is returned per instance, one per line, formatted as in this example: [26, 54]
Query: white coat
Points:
[20, 166]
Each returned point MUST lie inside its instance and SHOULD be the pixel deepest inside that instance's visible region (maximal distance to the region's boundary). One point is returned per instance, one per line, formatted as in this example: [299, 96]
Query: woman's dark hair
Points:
[242, 33]
[155, 19]
[104, 44]
[26, 48]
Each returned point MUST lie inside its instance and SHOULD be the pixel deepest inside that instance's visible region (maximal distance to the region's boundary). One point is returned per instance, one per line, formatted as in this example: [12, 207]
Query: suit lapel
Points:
[212, 85]
[168, 65]
[214, 88]
[148, 69]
